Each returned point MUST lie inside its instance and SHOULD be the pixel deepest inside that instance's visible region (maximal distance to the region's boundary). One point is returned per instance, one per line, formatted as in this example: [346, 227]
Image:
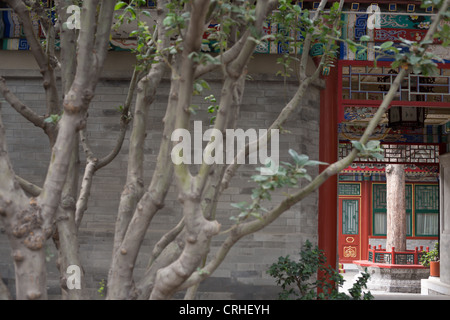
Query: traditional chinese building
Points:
[414, 132]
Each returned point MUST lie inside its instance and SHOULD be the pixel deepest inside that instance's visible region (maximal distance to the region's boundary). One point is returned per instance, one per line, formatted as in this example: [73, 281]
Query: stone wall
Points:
[243, 273]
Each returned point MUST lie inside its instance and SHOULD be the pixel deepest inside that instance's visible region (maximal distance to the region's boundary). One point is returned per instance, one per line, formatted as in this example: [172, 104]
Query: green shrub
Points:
[432, 255]
[298, 279]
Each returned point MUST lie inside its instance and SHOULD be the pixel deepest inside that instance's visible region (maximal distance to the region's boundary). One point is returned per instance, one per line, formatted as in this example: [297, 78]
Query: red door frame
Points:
[349, 242]
[364, 223]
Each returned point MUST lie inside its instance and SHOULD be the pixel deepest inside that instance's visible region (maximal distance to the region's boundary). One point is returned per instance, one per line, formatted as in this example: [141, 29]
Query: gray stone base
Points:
[434, 286]
[393, 279]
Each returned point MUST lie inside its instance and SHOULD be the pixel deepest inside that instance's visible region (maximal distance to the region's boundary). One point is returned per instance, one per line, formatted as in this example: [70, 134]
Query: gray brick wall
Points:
[243, 273]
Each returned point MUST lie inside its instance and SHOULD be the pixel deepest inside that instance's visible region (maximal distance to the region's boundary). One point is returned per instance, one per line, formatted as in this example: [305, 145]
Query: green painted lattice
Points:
[424, 201]
[350, 216]
[426, 210]
[349, 189]
[427, 198]
[380, 212]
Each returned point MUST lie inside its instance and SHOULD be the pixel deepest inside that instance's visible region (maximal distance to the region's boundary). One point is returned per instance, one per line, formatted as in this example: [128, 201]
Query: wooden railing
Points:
[408, 257]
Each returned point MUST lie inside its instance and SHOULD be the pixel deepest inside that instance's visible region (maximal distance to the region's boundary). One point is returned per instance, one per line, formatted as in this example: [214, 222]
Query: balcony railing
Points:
[372, 83]
[362, 84]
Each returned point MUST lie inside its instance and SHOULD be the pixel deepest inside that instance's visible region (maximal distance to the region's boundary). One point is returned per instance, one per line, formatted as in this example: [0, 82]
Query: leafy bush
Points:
[432, 255]
[298, 279]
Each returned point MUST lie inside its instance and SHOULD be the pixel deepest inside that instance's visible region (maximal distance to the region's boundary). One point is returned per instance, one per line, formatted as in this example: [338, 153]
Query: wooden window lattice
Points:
[350, 216]
[349, 189]
[398, 153]
[427, 198]
[379, 204]
[427, 209]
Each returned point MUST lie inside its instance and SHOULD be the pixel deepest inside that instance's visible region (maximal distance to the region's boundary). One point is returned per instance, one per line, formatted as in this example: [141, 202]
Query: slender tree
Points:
[30, 221]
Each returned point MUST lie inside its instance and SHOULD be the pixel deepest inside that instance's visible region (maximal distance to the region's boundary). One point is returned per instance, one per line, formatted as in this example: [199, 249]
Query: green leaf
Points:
[168, 21]
[242, 215]
[120, 5]
[300, 160]
[379, 156]
[260, 178]
[414, 59]
[358, 145]
[396, 64]
[54, 118]
[241, 205]
[364, 38]
[372, 144]
[315, 163]
[256, 215]
[386, 45]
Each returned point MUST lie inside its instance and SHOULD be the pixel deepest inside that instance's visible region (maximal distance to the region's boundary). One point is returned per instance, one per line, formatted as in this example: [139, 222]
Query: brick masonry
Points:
[243, 273]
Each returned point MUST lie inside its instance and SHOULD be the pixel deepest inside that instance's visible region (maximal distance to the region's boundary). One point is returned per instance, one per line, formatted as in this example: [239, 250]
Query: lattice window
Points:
[427, 197]
[372, 83]
[379, 209]
[379, 197]
[349, 189]
[427, 209]
[350, 216]
[398, 153]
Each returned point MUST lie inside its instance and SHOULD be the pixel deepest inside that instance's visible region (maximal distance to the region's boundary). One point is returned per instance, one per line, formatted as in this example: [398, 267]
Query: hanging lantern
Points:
[401, 118]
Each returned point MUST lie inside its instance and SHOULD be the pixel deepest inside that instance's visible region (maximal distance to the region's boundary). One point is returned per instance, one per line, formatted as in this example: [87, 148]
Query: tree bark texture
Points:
[396, 210]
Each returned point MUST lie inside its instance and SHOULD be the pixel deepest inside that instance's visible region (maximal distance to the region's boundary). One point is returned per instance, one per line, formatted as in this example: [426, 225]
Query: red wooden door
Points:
[349, 242]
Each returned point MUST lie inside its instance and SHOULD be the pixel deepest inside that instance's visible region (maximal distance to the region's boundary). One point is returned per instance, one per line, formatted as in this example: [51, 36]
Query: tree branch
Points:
[43, 61]
[287, 111]
[68, 46]
[124, 121]
[76, 104]
[136, 210]
[307, 42]
[29, 187]
[25, 111]
[225, 57]
[85, 191]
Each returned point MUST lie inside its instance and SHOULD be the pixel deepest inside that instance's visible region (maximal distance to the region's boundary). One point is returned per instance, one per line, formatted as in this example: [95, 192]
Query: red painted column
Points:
[328, 152]
[365, 219]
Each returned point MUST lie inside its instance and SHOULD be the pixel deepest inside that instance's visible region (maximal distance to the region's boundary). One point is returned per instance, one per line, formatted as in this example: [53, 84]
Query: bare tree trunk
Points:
[396, 209]
[66, 238]
[23, 222]
[30, 221]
